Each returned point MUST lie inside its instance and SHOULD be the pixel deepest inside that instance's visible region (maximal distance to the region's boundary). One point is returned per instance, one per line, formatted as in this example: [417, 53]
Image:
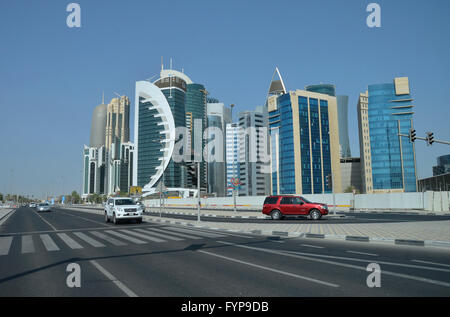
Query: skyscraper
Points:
[304, 141]
[253, 137]
[232, 154]
[391, 157]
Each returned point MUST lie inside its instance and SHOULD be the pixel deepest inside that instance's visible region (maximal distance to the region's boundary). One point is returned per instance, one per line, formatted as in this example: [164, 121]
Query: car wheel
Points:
[276, 215]
[315, 214]
[115, 219]
[106, 217]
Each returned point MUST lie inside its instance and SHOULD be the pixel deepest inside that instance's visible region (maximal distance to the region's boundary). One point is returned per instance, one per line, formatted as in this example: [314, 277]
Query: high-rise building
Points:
[218, 116]
[154, 134]
[342, 106]
[304, 142]
[443, 165]
[391, 157]
[232, 154]
[118, 123]
[253, 137]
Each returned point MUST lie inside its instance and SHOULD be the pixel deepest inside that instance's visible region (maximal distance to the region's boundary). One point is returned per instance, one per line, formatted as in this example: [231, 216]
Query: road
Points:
[152, 259]
[349, 218]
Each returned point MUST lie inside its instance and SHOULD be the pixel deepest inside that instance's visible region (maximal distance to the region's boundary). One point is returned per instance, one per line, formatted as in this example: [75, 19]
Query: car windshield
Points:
[305, 200]
[120, 202]
[43, 204]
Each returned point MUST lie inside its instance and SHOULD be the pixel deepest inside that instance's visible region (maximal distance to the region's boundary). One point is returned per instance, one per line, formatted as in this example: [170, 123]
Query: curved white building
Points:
[154, 135]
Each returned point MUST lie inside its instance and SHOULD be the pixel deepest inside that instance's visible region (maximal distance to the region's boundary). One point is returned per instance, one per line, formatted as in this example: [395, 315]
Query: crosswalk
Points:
[74, 240]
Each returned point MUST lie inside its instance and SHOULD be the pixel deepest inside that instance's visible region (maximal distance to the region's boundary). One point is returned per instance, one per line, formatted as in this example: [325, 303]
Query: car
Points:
[43, 207]
[122, 208]
[277, 207]
[32, 205]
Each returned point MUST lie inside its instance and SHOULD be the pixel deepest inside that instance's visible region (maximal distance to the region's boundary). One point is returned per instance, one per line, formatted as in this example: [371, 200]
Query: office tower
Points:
[174, 88]
[342, 106]
[218, 117]
[443, 165]
[118, 123]
[389, 113]
[364, 143]
[232, 154]
[195, 107]
[253, 146]
[154, 134]
[304, 142]
[98, 126]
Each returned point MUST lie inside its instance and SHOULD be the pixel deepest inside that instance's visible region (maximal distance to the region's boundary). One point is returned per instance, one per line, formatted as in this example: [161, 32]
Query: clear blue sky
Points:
[52, 76]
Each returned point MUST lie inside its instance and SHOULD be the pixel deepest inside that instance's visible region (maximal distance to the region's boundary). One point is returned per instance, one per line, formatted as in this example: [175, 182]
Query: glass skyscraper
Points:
[389, 113]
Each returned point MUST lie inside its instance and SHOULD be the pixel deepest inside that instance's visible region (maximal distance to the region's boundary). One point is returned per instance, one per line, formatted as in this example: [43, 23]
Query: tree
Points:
[1, 197]
[76, 199]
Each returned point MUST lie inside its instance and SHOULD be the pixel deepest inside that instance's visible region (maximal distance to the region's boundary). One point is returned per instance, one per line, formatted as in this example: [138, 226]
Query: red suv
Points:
[279, 206]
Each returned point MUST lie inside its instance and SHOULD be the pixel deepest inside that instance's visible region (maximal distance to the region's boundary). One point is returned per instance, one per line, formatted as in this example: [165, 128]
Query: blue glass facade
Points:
[393, 165]
[314, 145]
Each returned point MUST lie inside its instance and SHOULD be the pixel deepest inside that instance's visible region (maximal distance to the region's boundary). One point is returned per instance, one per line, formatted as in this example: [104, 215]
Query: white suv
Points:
[122, 208]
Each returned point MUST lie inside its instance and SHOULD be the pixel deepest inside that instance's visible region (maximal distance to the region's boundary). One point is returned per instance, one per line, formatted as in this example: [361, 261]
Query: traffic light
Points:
[329, 181]
[412, 135]
[430, 138]
[192, 173]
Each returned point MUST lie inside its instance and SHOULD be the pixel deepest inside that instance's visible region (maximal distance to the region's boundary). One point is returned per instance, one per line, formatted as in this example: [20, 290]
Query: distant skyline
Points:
[52, 76]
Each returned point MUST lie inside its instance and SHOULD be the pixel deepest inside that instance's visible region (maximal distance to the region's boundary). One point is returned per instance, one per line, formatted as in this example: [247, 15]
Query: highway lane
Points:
[151, 259]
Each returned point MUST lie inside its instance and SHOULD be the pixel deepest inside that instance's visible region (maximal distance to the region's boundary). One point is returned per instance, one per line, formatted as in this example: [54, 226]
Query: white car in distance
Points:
[122, 208]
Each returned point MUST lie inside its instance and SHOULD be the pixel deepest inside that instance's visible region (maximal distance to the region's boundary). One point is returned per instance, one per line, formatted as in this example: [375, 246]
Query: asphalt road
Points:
[349, 218]
[151, 259]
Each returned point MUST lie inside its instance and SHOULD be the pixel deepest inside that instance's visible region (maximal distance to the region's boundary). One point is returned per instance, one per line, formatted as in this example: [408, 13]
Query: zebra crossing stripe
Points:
[177, 234]
[197, 233]
[27, 244]
[125, 237]
[69, 241]
[5, 244]
[89, 240]
[107, 238]
[143, 236]
[49, 244]
[164, 236]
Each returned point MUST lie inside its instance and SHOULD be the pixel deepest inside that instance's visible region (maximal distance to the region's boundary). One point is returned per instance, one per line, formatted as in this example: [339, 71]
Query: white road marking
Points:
[362, 253]
[271, 269]
[164, 236]
[89, 240]
[107, 238]
[27, 244]
[3, 220]
[5, 244]
[312, 246]
[69, 241]
[86, 219]
[113, 279]
[48, 242]
[433, 263]
[195, 232]
[315, 259]
[42, 218]
[125, 237]
[177, 234]
[143, 236]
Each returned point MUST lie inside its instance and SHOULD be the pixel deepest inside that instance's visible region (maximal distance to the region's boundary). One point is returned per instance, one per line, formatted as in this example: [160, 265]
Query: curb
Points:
[6, 216]
[287, 234]
[212, 215]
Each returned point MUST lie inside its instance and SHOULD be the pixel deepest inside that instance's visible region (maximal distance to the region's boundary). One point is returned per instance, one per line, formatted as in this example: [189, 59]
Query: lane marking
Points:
[195, 232]
[312, 246]
[362, 253]
[160, 235]
[113, 279]
[48, 242]
[433, 263]
[27, 244]
[271, 269]
[89, 240]
[176, 234]
[9, 214]
[107, 238]
[125, 237]
[42, 218]
[143, 236]
[86, 219]
[5, 244]
[315, 259]
[69, 241]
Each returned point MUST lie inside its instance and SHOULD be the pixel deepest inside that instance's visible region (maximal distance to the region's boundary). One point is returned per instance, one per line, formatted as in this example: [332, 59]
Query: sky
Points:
[53, 76]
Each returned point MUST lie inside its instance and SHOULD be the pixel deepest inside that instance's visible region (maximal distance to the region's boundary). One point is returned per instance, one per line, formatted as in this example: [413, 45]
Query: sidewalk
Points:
[424, 233]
